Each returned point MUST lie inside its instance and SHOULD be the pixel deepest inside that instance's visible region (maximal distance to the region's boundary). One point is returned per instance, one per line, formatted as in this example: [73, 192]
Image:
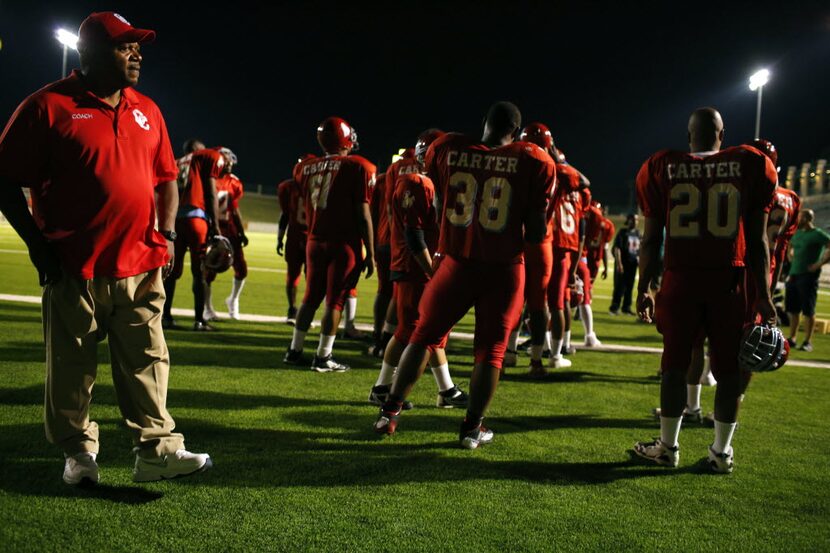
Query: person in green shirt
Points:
[809, 250]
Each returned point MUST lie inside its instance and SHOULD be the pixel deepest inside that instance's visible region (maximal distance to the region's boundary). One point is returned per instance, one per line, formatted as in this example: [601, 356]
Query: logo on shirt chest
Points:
[81, 116]
[141, 119]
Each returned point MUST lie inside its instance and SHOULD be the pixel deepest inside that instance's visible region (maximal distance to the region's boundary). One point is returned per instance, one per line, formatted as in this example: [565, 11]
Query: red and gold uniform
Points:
[380, 220]
[93, 195]
[334, 187]
[412, 208]
[292, 202]
[567, 215]
[703, 201]
[486, 194]
[195, 171]
[229, 191]
[784, 216]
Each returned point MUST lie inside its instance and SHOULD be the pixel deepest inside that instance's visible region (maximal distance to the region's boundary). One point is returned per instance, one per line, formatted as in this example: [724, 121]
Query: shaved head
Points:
[705, 130]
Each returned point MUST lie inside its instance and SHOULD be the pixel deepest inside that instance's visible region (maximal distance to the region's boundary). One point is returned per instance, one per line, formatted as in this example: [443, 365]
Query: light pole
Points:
[68, 40]
[757, 82]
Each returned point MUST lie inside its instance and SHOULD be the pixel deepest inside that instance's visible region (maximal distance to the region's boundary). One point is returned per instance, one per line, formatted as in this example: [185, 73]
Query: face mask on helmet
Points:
[219, 254]
[763, 348]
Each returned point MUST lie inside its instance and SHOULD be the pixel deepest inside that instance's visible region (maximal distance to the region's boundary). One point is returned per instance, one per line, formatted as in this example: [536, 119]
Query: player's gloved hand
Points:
[645, 306]
[369, 265]
[243, 239]
[765, 308]
[604, 274]
[46, 261]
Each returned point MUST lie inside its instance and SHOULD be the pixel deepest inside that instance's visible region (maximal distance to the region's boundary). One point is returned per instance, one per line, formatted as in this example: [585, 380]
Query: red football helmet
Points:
[538, 134]
[424, 140]
[767, 148]
[408, 153]
[335, 134]
[219, 254]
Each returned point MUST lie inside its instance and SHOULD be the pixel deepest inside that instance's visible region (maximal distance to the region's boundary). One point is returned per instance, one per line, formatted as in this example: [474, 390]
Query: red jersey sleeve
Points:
[650, 195]
[365, 183]
[23, 152]
[416, 204]
[763, 189]
[543, 184]
[236, 192]
[164, 164]
[214, 168]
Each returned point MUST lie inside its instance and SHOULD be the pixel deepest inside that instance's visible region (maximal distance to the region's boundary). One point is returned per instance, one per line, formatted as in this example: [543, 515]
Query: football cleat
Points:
[175, 465]
[567, 350]
[379, 394]
[559, 362]
[202, 326]
[291, 317]
[80, 469]
[167, 323]
[591, 341]
[233, 308]
[537, 369]
[387, 422]
[763, 348]
[454, 397]
[475, 437]
[689, 417]
[722, 463]
[209, 315]
[658, 452]
[806, 346]
[511, 357]
[327, 364]
[294, 357]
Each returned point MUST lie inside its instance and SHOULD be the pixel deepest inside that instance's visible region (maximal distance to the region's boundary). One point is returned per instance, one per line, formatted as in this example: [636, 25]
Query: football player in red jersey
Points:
[583, 275]
[713, 205]
[337, 191]
[414, 237]
[383, 256]
[568, 238]
[229, 191]
[293, 225]
[494, 195]
[196, 220]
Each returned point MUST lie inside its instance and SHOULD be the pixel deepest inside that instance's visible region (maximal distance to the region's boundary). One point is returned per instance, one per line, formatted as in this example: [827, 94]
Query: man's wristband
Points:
[169, 234]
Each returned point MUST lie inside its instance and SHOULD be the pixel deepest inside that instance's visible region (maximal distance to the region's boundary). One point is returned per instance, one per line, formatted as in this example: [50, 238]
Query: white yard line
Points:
[605, 348]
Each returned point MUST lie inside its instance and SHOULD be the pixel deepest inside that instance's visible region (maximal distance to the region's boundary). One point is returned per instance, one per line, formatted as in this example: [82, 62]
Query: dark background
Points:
[615, 82]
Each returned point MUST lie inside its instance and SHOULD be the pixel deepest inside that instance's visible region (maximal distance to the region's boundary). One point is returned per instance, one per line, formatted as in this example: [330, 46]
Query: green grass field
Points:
[298, 468]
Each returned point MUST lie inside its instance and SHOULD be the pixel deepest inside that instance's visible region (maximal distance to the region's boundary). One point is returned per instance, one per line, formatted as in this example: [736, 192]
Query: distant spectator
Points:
[626, 251]
[809, 250]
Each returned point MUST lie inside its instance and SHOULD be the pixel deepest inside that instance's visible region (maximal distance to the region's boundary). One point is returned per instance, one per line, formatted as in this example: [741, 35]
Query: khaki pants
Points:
[77, 314]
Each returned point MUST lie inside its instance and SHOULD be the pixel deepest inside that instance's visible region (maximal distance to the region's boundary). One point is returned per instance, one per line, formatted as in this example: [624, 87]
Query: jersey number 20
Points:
[722, 210]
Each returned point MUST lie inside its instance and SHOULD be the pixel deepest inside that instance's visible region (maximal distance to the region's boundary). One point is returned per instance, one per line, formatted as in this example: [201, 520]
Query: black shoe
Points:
[380, 394]
[454, 397]
[168, 323]
[806, 346]
[291, 317]
[327, 364]
[202, 326]
[294, 357]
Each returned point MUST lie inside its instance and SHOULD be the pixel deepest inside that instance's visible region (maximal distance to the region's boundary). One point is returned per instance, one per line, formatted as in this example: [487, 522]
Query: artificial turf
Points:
[297, 466]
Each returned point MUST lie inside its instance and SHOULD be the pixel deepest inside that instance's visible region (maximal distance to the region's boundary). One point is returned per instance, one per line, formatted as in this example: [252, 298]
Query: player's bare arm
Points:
[367, 235]
[236, 215]
[282, 228]
[212, 204]
[604, 261]
[649, 260]
[757, 255]
[167, 203]
[420, 253]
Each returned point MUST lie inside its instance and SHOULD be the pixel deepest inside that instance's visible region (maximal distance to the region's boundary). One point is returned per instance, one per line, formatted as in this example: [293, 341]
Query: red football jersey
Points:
[334, 187]
[487, 194]
[228, 193]
[784, 212]
[703, 200]
[380, 215]
[404, 166]
[593, 228]
[412, 207]
[568, 210]
[292, 202]
[194, 171]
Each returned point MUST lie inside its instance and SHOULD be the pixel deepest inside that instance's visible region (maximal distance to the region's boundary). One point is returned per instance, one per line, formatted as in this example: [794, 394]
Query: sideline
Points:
[605, 348]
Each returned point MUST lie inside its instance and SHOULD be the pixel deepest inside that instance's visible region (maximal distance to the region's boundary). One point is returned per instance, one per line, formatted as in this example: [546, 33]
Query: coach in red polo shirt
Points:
[96, 156]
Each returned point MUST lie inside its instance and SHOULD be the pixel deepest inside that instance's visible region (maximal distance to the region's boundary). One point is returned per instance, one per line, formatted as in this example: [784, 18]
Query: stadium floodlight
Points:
[68, 40]
[757, 82]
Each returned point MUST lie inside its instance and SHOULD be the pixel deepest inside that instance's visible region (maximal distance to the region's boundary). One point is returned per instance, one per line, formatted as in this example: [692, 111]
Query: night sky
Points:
[614, 83]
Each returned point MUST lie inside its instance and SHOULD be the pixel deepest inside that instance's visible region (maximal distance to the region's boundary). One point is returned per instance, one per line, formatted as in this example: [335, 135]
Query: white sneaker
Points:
[233, 308]
[560, 362]
[658, 452]
[511, 358]
[209, 315]
[591, 341]
[80, 468]
[475, 437]
[707, 379]
[722, 463]
[181, 463]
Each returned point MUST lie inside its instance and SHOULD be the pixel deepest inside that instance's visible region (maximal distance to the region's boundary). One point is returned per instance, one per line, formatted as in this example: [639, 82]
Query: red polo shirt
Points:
[92, 170]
